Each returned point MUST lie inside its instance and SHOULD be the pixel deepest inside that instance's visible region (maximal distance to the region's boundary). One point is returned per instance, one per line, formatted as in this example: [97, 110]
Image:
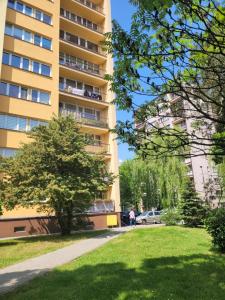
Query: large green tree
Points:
[55, 173]
[152, 183]
[173, 47]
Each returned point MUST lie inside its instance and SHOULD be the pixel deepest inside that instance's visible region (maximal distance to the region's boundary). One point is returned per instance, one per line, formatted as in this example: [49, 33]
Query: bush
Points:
[215, 225]
[171, 217]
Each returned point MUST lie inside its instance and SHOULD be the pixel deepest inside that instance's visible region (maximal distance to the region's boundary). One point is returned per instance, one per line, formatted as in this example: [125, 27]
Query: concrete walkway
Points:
[18, 274]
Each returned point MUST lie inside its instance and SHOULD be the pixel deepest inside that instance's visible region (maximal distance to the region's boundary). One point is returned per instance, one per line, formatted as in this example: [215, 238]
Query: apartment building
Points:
[52, 63]
[174, 111]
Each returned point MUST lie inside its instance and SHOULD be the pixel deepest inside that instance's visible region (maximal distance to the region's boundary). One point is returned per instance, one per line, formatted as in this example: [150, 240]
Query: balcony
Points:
[82, 67]
[81, 21]
[100, 97]
[102, 206]
[81, 43]
[98, 148]
[85, 118]
[90, 5]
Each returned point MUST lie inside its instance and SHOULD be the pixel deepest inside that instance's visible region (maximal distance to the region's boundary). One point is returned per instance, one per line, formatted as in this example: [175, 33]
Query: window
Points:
[37, 40]
[20, 229]
[27, 36]
[28, 10]
[44, 97]
[24, 93]
[11, 4]
[61, 34]
[7, 152]
[8, 29]
[34, 95]
[19, 6]
[36, 67]
[13, 90]
[3, 88]
[26, 64]
[33, 123]
[11, 123]
[47, 19]
[18, 123]
[18, 33]
[15, 61]
[22, 124]
[45, 70]
[82, 43]
[46, 43]
[38, 14]
[5, 58]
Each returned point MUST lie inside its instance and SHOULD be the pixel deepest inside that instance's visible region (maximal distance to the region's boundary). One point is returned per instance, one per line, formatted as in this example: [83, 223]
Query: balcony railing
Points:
[98, 148]
[91, 5]
[75, 41]
[102, 206]
[83, 68]
[82, 93]
[87, 24]
[86, 119]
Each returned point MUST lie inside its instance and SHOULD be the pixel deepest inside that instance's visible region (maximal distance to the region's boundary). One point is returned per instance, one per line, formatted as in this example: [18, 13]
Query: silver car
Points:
[152, 216]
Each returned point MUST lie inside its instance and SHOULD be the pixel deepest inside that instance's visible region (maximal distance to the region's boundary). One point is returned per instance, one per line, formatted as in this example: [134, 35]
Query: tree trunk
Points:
[65, 218]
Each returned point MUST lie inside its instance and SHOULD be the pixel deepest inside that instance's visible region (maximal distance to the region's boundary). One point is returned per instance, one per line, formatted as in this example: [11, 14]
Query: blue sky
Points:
[122, 11]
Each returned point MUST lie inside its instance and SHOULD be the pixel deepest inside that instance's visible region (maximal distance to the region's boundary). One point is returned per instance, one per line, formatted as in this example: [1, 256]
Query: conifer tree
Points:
[193, 210]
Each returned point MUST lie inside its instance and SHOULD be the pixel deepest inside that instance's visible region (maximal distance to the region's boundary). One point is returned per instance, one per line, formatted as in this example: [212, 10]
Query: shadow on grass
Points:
[195, 277]
[52, 238]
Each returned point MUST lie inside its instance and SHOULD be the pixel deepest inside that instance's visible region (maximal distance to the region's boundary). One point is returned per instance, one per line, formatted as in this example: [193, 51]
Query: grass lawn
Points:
[16, 250]
[167, 263]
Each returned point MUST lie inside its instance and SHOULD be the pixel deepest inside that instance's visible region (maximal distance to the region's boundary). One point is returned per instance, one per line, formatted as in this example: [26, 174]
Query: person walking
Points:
[132, 217]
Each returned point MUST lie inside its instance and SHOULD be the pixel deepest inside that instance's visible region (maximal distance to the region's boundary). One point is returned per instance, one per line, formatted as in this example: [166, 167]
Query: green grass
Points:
[17, 250]
[167, 263]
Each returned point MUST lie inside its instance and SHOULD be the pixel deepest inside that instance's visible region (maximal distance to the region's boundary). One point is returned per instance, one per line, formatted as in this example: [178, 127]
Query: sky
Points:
[122, 12]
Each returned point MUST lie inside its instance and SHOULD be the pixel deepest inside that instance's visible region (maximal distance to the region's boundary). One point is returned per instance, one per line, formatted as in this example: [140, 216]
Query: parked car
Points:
[152, 216]
[125, 220]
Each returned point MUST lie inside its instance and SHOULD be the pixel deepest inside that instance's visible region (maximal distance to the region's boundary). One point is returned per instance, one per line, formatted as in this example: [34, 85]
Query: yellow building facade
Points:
[52, 63]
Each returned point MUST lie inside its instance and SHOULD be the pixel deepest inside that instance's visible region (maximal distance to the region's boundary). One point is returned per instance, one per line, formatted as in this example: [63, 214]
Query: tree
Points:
[173, 48]
[193, 209]
[152, 183]
[215, 225]
[55, 173]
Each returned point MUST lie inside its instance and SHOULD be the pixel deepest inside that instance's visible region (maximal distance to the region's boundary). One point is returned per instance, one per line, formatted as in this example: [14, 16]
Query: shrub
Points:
[215, 225]
[171, 217]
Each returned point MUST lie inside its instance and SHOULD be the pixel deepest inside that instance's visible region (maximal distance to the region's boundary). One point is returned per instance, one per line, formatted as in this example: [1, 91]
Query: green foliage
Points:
[158, 183]
[55, 173]
[172, 47]
[193, 209]
[215, 225]
[171, 217]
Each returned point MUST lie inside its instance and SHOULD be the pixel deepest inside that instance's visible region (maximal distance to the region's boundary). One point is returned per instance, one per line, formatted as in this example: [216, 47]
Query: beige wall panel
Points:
[25, 108]
[29, 50]
[27, 78]
[29, 23]
[12, 139]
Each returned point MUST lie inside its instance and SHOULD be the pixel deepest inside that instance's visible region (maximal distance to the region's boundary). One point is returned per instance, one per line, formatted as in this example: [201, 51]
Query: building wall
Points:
[3, 5]
[200, 167]
[11, 139]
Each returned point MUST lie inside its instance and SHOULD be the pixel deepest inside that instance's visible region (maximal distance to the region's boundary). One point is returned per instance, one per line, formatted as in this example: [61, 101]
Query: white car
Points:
[152, 216]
